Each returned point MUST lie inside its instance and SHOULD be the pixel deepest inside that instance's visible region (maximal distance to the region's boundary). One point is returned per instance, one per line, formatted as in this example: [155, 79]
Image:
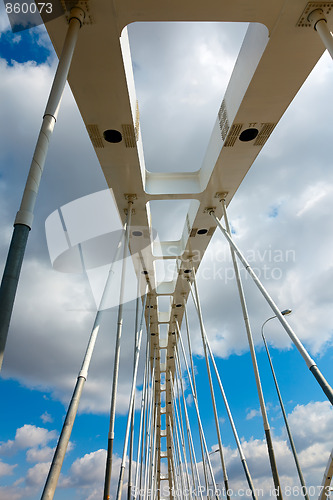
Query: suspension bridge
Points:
[284, 41]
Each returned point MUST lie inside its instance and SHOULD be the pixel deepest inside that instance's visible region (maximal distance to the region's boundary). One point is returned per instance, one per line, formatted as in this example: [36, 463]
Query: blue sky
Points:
[283, 206]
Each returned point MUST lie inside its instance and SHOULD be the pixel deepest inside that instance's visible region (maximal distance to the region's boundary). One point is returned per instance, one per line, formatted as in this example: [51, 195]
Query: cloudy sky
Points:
[281, 218]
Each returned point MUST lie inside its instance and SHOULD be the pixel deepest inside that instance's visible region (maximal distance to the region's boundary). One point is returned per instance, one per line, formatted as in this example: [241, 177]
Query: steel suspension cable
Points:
[129, 487]
[148, 428]
[196, 299]
[145, 422]
[327, 389]
[180, 440]
[59, 454]
[194, 385]
[140, 442]
[231, 420]
[108, 466]
[153, 457]
[263, 410]
[132, 396]
[181, 465]
[196, 406]
[188, 427]
[184, 441]
[180, 485]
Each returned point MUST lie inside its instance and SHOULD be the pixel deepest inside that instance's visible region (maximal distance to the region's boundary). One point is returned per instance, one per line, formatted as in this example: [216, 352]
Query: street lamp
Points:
[292, 445]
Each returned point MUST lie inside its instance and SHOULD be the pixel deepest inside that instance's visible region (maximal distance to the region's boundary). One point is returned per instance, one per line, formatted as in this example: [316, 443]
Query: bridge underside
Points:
[279, 51]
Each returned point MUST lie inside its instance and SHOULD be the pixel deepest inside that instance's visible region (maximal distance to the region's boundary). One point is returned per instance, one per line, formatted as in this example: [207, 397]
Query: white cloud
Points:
[6, 469]
[252, 414]
[10, 493]
[44, 454]
[46, 418]
[36, 476]
[88, 470]
[27, 436]
[312, 423]
[311, 426]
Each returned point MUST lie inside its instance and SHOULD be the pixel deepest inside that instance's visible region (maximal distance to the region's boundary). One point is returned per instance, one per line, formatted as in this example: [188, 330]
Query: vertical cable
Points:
[269, 441]
[108, 467]
[196, 301]
[132, 396]
[140, 442]
[180, 438]
[188, 427]
[129, 486]
[195, 391]
[231, 420]
[196, 407]
[59, 454]
[327, 389]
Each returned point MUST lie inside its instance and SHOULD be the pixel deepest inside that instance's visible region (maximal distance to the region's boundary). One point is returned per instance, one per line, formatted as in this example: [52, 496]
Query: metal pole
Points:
[188, 427]
[130, 484]
[196, 408]
[177, 454]
[108, 468]
[24, 217]
[151, 482]
[216, 417]
[234, 430]
[269, 441]
[292, 445]
[149, 425]
[59, 455]
[307, 358]
[177, 477]
[179, 438]
[140, 443]
[58, 458]
[319, 22]
[182, 435]
[145, 421]
[131, 401]
[194, 385]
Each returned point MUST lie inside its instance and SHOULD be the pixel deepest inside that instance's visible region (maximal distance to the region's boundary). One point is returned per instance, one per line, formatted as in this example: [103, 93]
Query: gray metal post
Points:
[151, 404]
[305, 355]
[130, 484]
[292, 444]
[184, 442]
[231, 420]
[195, 390]
[108, 467]
[196, 301]
[24, 217]
[179, 423]
[269, 441]
[59, 455]
[188, 427]
[132, 396]
[141, 431]
[210, 468]
[318, 20]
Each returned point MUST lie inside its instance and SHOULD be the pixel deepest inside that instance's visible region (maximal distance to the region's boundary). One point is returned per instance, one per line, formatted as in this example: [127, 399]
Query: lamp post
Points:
[292, 445]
